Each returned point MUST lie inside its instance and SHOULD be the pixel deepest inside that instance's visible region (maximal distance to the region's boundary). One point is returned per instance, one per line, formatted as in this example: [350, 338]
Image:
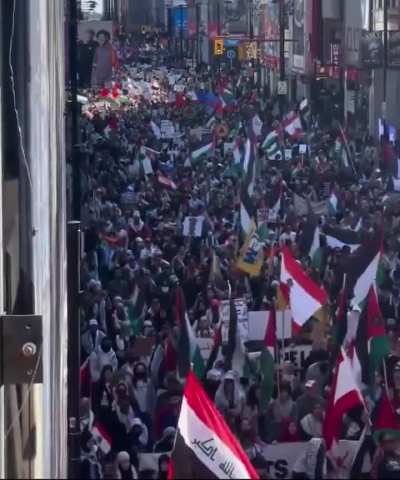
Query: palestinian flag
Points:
[372, 343]
[385, 422]
[204, 446]
[237, 154]
[309, 241]
[267, 362]
[341, 318]
[304, 108]
[188, 349]
[293, 127]
[362, 268]
[306, 297]
[165, 181]
[271, 145]
[247, 207]
[275, 201]
[270, 333]
[345, 395]
[205, 150]
[102, 437]
[214, 352]
[343, 150]
[251, 257]
[337, 237]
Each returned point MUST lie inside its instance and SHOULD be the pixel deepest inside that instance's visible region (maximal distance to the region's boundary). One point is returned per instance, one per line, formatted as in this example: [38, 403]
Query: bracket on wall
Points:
[21, 341]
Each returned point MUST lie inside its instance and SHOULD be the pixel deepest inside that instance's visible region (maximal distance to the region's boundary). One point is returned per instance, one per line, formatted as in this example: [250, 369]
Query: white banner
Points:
[258, 322]
[283, 457]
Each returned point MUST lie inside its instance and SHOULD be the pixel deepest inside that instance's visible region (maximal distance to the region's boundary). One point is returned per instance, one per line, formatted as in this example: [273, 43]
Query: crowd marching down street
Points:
[240, 283]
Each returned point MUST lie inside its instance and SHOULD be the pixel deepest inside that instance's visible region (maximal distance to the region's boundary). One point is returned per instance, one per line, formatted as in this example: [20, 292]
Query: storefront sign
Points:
[372, 49]
[394, 50]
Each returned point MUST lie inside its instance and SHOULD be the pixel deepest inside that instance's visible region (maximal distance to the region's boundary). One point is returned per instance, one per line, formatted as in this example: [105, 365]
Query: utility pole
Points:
[74, 108]
[282, 72]
[385, 58]
[74, 348]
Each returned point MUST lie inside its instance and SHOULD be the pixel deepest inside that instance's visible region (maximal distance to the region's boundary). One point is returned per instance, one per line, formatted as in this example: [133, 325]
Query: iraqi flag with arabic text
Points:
[204, 445]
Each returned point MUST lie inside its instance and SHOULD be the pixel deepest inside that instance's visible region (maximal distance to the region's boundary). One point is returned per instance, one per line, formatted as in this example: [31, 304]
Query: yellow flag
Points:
[251, 256]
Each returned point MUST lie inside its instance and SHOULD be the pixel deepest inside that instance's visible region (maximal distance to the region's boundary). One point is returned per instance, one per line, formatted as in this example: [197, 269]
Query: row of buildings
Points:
[331, 47]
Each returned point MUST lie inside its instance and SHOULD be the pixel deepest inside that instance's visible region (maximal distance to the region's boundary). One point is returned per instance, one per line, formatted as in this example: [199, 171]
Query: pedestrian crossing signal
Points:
[219, 46]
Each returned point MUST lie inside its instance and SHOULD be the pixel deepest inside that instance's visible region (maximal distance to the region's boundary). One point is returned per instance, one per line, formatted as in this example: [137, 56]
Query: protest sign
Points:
[193, 226]
[167, 129]
[296, 354]
[224, 318]
[243, 318]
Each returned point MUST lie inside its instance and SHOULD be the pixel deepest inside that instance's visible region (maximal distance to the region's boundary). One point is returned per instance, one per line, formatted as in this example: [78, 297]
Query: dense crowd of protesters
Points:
[136, 257]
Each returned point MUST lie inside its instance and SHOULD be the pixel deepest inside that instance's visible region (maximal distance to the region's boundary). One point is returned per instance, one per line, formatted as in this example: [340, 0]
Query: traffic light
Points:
[219, 46]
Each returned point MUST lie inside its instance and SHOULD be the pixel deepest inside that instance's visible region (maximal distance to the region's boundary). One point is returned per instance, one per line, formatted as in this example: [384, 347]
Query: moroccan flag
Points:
[372, 343]
[337, 237]
[305, 296]
[384, 419]
[345, 395]
[204, 446]
[362, 267]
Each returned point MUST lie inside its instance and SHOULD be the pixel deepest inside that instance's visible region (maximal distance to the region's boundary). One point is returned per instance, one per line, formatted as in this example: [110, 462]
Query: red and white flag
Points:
[102, 438]
[270, 332]
[204, 445]
[305, 296]
[345, 395]
[165, 181]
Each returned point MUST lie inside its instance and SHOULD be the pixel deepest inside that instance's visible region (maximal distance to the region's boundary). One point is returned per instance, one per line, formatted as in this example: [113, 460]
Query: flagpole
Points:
[385, 377]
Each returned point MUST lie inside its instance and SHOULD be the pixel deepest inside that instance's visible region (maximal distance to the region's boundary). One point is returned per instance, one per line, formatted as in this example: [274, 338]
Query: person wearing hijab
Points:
[230, 399]
[102, 356]
[125, 468]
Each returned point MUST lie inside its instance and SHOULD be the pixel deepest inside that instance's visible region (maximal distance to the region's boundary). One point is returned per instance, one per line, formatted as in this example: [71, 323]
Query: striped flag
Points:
[337, 237]
[362, 268]
[309, 241]
[205, 150]
[372, 343]
[165, 181]
[275, 201]
[204, 445]
[305, 296]
[247, 207]
[333, 203]
[271, 145]
[293, 126]
[188, 349]
[102, 437]
[345, 395]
